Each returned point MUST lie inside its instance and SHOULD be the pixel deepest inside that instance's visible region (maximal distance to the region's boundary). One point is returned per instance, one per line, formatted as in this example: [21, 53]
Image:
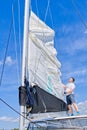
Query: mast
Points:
[25, 42]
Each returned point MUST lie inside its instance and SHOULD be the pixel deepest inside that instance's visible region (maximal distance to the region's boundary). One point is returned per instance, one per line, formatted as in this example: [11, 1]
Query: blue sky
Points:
[70, 42]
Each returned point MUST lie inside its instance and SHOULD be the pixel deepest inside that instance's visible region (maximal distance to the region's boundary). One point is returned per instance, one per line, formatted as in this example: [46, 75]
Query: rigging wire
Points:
[13, 109]
[15, 44]
[47, 10]
[12, 24]
[18, 112]
[37, 8]
[19, 34]
[8, 39]
[51, 18]
[78, 13]
[6, 50]
[35, 123]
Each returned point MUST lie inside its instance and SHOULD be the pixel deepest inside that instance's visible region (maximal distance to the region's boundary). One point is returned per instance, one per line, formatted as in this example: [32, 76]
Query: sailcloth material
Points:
[44, 68]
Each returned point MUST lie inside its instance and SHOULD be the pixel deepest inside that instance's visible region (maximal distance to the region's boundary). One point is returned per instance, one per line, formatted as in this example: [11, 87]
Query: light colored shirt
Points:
[70, 86]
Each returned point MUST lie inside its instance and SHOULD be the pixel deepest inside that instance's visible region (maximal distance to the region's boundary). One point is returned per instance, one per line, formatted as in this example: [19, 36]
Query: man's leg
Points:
[70, 109]
[75, 106]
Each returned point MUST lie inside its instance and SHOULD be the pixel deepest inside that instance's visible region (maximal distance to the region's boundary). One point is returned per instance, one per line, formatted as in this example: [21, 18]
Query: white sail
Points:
[43, 66]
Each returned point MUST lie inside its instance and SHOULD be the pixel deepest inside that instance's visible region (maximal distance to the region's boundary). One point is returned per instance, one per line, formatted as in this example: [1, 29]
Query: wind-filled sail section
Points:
[43, 66]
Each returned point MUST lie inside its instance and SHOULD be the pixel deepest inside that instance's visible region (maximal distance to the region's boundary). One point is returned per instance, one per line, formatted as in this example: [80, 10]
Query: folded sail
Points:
[43, 66]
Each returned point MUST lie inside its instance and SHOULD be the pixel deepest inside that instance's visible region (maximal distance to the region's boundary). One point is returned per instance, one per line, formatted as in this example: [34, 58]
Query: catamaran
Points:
[41, 95]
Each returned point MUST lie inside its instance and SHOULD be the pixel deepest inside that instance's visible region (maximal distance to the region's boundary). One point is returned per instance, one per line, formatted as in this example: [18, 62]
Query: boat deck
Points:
[56, 123]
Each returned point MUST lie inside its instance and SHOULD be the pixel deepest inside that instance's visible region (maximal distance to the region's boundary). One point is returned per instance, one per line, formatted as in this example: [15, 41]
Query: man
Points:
[69, 91]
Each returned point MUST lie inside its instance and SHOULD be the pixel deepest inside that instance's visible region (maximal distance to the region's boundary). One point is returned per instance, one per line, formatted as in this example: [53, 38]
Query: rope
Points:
[78, 13]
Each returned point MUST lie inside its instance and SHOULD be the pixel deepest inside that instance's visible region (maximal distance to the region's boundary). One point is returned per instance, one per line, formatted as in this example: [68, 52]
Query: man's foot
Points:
[72, 114]
[78, 113]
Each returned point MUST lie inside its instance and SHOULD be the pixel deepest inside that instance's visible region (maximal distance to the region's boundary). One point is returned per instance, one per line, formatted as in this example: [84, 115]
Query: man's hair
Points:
[73, 79]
